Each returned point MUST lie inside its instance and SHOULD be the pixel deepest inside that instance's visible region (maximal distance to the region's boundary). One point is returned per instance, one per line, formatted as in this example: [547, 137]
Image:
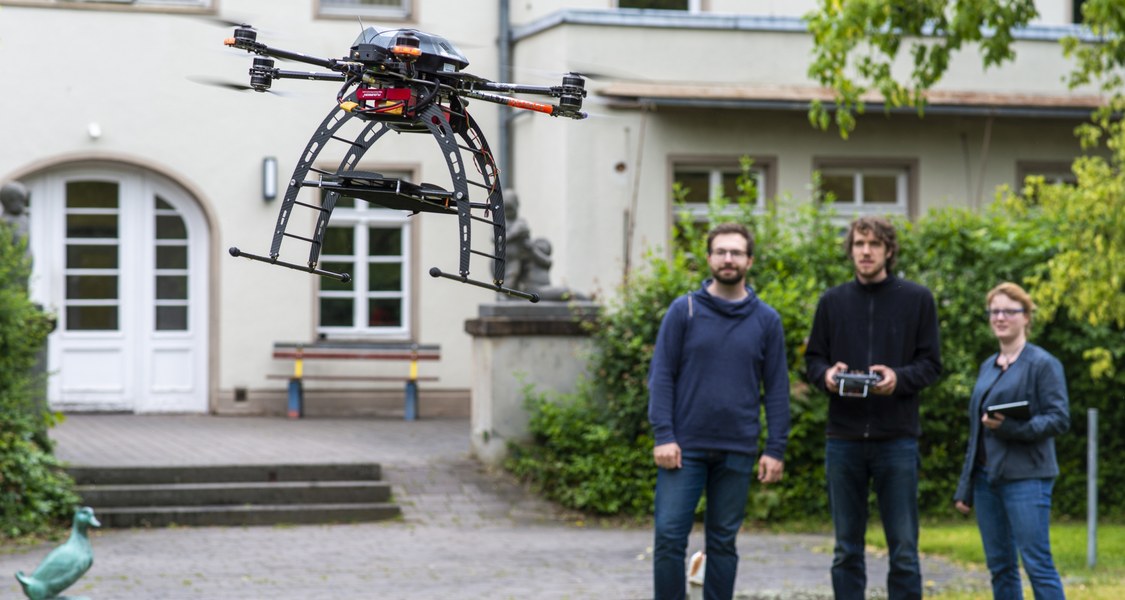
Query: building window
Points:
[1052, 172]
[703, 181]
[93, 266]
[688, 5]
[174, 5]
[398, 9]
[868, 188]
[171, 251]
[1076, 15]
[373, 245]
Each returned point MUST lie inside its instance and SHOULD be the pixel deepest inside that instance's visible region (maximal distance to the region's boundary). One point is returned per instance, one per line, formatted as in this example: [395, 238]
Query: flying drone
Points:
[403, 81]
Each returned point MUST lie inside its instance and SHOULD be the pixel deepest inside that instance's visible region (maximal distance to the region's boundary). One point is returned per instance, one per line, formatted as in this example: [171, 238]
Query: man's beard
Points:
[728, 280]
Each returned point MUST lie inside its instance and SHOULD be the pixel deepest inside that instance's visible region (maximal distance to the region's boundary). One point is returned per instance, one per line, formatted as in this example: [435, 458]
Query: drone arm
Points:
[280, 74]
[550, 109]
[255, 47]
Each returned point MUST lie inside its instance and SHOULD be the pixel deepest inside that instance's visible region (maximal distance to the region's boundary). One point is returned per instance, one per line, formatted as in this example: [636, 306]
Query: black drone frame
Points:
[400, 88]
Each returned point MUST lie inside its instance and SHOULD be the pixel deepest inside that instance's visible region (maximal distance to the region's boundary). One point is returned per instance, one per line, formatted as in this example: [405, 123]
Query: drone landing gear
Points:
[343, 277]
[532, 296]
[454, 131]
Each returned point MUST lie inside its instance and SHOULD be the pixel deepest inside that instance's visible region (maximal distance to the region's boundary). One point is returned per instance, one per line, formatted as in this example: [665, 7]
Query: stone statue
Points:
[14, 196]
[65, 564]
[537, 277]
[517, 242]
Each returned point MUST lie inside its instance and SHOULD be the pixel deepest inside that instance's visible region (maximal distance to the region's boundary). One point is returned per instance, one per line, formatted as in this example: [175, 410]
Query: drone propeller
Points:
[230, 85]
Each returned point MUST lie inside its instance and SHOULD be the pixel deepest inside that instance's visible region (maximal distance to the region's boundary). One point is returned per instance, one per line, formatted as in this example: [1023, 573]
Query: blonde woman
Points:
[1010, 464]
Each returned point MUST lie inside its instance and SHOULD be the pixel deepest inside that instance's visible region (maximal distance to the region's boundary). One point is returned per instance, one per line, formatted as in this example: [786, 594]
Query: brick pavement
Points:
[465, 532]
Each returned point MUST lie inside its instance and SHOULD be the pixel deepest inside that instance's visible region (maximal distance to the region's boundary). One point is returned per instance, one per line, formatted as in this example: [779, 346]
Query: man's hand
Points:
[770, 469]
[889, 381]
[962, 507]
[667, 456]
[830, 376]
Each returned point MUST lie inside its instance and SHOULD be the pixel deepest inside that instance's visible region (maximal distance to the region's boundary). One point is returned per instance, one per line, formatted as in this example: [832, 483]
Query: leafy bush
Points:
[592, 450]
[34, 493]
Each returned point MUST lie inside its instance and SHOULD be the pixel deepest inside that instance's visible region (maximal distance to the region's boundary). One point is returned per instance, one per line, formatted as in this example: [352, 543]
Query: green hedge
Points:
[34, 493]
[592, 450]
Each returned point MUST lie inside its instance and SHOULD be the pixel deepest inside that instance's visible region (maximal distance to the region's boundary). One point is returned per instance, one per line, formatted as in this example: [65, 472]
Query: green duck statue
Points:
[65, 564]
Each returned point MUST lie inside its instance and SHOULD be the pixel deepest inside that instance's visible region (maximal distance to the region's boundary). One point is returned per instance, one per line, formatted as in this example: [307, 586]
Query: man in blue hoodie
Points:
[719, 357]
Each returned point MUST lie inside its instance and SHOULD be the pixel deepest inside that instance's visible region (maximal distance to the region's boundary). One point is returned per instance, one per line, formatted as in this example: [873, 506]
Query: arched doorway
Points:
[121, 256]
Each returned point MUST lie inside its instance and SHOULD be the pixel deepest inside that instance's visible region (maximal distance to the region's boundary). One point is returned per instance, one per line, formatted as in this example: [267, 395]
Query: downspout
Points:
[504, 142]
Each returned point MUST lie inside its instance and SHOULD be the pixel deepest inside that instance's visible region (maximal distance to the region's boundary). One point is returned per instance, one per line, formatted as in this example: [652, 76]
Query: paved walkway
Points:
[465, 533]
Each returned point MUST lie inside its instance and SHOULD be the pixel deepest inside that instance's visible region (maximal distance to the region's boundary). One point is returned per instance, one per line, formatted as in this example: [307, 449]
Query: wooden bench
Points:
[328, 350]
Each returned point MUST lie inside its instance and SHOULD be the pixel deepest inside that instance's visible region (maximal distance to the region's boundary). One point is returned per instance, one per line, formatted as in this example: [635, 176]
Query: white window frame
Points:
[761, 168]
[352, 8]
[360, 219]
[902, 171]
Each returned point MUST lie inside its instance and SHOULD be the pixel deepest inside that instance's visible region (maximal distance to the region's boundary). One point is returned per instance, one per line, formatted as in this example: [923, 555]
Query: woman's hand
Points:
[962, 507]
[992, 421]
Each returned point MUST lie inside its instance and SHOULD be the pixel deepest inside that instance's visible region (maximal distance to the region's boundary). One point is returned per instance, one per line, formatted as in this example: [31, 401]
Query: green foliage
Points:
[856, 43]
[34, 492]
[592, 451]
[580, 461]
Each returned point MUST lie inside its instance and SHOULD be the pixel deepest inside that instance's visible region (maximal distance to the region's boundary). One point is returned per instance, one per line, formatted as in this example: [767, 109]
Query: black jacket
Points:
[893, 323]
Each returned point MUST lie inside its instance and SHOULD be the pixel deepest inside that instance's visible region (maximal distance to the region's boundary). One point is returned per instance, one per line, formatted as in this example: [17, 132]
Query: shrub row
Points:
[592, 450]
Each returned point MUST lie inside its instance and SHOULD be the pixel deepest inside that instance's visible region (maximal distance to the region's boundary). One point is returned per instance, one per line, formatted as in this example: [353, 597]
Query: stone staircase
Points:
[235, 495]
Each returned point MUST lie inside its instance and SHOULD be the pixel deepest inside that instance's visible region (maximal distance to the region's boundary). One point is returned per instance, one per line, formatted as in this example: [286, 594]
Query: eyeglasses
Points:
[731, 253]
[1007, 312]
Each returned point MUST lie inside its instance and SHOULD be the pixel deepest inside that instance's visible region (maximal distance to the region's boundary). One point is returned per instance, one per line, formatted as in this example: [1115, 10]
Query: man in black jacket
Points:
[887, 326]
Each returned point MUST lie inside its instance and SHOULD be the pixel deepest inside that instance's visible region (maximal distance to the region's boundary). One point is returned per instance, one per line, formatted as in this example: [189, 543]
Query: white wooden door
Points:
[121, 257]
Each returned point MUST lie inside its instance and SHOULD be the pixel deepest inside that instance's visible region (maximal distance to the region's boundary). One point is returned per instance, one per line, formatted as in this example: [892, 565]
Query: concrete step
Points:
[200, 494]
[113, 475]
[238, 516]
[235, 495]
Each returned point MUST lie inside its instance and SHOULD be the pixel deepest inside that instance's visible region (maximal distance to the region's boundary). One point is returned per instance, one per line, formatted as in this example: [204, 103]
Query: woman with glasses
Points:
[1010, 464]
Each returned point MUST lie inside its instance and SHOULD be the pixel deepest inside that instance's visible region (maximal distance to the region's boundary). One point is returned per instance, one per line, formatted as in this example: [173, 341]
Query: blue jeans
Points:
[1013, 518]
[853, 467]
[726, 478]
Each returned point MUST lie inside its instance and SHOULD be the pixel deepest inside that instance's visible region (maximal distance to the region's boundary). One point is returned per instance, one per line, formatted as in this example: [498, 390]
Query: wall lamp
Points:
[269, 178]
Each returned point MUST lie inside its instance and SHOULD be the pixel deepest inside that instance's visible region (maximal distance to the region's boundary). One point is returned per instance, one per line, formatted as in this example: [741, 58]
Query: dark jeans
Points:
[726, 478]
[890, 467]
[1013, 516]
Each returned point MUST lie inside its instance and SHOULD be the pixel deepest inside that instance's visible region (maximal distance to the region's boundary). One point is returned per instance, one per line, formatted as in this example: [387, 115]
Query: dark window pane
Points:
[339, 240]
[170, 227]
[384, 277]
[384, 312]
[91, 226]
[80, 256]
[384, 242]
[91, 194]
[171, 287]
[329, 284]
[162, 204]
[171, 318]
[880, 189]
[171, 257]
[662, 4]
[91, 287]
[341, 202]
[842, 186]
[91, 318]
[696, 186]
[730, 187]
[336, 312]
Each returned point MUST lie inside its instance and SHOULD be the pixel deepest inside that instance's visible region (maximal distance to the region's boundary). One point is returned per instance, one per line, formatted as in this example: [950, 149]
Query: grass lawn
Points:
[960, 542]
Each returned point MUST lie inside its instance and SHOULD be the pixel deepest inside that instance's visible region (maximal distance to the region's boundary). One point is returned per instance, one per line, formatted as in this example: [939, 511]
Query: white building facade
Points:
[142, 175]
